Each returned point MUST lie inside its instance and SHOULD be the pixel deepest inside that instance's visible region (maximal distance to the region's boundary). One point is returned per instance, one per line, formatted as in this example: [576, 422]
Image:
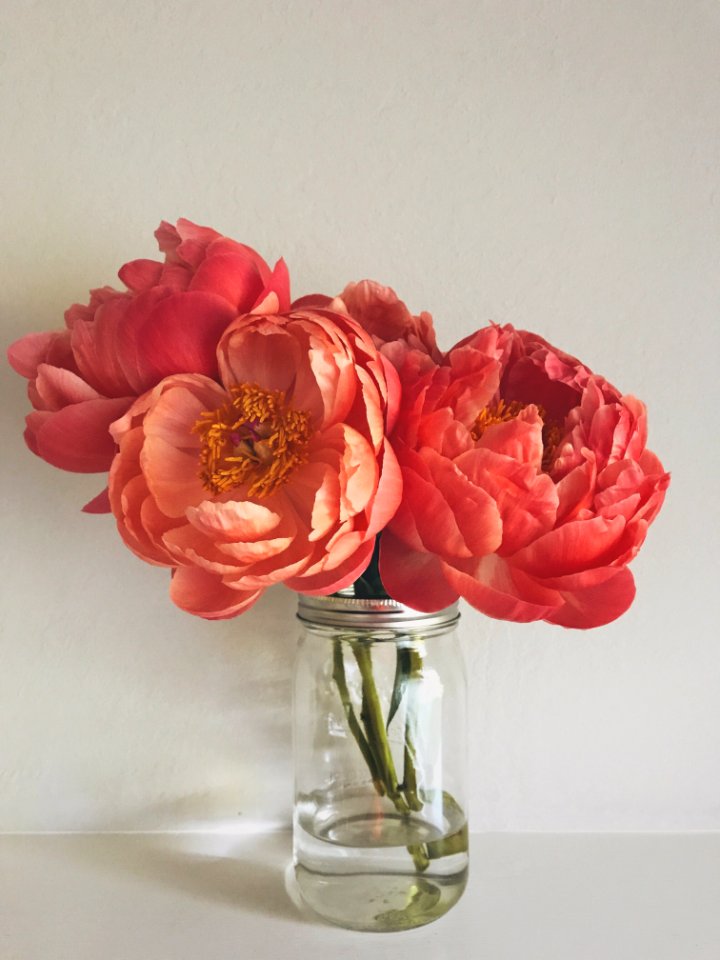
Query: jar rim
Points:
[374, 612]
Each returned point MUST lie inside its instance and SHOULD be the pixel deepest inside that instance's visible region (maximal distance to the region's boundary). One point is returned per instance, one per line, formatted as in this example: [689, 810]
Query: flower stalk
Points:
[371, 735]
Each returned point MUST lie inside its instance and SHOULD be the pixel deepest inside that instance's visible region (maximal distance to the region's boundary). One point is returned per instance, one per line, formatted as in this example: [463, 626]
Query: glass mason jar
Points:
[380, 829]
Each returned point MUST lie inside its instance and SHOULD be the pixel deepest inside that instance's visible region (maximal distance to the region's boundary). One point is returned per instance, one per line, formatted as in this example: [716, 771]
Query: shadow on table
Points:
[247, 872]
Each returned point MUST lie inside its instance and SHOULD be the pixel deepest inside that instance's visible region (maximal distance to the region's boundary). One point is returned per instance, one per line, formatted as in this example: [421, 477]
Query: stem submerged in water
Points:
[372, 735]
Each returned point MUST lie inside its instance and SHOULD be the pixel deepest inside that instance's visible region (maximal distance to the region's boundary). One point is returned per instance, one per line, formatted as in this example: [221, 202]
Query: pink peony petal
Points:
[186, 242]
[175, 407]
[573, 547]
[256, 350]
[475, 511]
[335, 578]
[98, 504]
[188, 547]
[57, 388]
[154, 526]
[173, 477]
[358, 475]
[311, 302]
[386, 318]
[205, 595]
[223, 245]
[133, 507]
[413, 577]
[279, 284]
[182, 333]
[520, 438]
[576, 489]
[96, 347]
[528, 382]
[247, 555]
[76, 437]
[315, 494]
[526, 500]
[235, 520]
[493, 588]
[140, 275]
[650, 463]
[384, 504]
[434, 519]
[230, 276]
[597, 603]
[27, 353]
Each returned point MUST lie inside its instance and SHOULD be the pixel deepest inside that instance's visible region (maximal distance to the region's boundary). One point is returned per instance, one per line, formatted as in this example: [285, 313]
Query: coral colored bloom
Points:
[169, 320]
[378, 310]
[528, 487]
[279, 473]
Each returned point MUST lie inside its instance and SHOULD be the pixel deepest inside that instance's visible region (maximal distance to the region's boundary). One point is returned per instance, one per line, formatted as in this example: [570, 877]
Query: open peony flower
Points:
[528, 487]
[279, 473]
[168, 320]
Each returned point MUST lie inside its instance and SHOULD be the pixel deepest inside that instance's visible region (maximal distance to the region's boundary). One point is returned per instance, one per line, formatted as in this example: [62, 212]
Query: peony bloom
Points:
[279, 473]
[168, 320]
[528, 487]
[378, 309]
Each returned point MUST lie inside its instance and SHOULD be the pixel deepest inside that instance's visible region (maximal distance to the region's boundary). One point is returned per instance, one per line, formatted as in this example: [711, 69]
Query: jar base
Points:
[358, 870]
[380, 902]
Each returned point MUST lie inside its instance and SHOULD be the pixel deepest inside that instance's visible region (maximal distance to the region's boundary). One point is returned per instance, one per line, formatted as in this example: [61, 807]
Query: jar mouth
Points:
[375, 613]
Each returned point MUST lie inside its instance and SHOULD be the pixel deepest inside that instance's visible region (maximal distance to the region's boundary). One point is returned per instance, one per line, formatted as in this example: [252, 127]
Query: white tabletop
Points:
[217, 897]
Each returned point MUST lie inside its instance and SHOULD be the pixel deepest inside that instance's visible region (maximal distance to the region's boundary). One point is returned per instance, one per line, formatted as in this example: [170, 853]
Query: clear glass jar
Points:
[380, 829]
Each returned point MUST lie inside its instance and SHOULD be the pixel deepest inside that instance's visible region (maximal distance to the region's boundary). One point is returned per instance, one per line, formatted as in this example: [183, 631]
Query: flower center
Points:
[502, 412]
[254, 439]
[499, 412]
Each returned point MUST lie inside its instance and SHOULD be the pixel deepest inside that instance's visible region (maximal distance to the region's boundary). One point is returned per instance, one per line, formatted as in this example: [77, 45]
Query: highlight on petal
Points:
[492, 587]
[57, 388]
[334, 578]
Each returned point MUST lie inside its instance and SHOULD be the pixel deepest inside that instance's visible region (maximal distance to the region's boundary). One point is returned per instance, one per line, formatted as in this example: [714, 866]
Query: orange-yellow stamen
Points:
[502, 412]
[552, 435]
[255, 439]
[499, 412]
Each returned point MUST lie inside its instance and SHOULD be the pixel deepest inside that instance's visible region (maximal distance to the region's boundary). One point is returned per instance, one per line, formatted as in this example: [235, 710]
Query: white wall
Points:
[549, 164]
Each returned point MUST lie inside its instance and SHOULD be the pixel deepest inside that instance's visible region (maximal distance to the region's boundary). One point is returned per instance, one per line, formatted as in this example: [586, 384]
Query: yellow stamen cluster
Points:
[255, 439]
[502, 412]
[552, 435]
[499, 412]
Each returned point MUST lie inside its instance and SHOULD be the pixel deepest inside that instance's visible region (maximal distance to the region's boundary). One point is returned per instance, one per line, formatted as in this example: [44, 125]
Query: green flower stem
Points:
[372, 716]
[352, 720]
[413, 670]
[372, 738]
[457, 842]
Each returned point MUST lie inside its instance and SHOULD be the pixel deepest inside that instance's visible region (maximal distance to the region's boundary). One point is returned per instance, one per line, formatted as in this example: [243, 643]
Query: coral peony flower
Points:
[528, 487]
[169, 320]
[395, 331]
[279, 473]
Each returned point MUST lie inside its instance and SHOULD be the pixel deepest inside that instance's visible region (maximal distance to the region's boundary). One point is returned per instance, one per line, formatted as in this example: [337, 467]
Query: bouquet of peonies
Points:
[250, 440]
